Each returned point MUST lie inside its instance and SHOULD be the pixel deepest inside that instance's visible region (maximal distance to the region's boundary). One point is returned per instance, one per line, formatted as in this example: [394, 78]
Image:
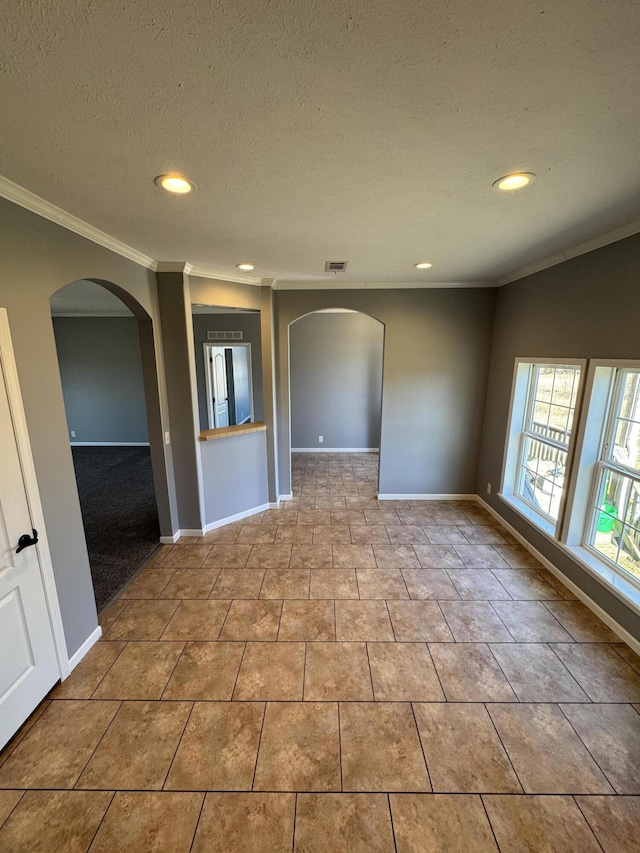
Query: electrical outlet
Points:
[73, 435]
[488, 488]
[320, 439]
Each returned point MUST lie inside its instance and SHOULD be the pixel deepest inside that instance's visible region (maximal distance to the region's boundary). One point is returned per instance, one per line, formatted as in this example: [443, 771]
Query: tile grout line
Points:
[175, 752]
[506, 752]
[591, 755]
[484, 807]
[101, 821]
[195, 829]
[178, 659]
[340, 746]
[235, 683]
[424, 757]
[109, 668]
[393, 829]
[550, 646]
[24, 791]
[102, 737]
[255, 767]
[586, 820]
[295, 821]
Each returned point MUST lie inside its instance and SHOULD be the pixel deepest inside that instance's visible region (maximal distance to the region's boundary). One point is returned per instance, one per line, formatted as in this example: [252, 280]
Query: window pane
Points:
[554, 392]
[616, 533]
[542, 476]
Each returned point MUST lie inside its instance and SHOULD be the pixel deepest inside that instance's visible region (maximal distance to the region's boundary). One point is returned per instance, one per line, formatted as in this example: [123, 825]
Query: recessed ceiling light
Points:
[423, 265]
[247, 267]
[175, 184]
[516, 181]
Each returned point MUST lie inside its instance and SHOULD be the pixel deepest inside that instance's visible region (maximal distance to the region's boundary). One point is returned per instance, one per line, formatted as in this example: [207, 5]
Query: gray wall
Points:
[102, 384]
[38, 258]
[588, 307]
[336, 381]
[249, 324]
[436, 355]
[234, 471]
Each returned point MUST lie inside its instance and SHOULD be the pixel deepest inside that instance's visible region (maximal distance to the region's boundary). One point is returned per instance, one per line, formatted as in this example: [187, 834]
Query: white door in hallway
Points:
[28, 659]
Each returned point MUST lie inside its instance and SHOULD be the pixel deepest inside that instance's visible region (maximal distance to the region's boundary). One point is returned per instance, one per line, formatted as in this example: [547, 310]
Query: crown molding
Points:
[172, 266]
[30, 201]
[573, 252]
[379, 285]
[225, 275]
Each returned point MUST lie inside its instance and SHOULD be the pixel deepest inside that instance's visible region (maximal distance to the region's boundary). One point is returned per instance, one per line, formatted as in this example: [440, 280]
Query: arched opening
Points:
[335, 404]
[106, 357]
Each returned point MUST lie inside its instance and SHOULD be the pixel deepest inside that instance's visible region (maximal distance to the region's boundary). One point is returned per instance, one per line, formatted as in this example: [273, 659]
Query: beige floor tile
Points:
[276, 517]
[614, 820]
[197, 620]
[8, 801]
[286, 583]
[381, 583]
[299, 503]
[333, 502]
[480, 557]
[186, 556]
[526, 585]
[478, 585]
[327, 534]
[517, 557]
[363, 621]
[398, 556]
[406, 534]
[463, 751]
[89, 673]
[418, 622]
[109, 615]
[190, 583]
[238, 583]
[445, 535]
[312, 621]
[300, 534]
[441, 823]
[333, 583]
[142, 620]
[438, 557]
[415, 516]
[628, 655]
[343, 823]
[226, 556]
[530, 622]
[137, 749]
[345, 518]
[252, 620]
[368, 534]
[270, 556]
[470, 673]
[314, 517]
[546, 753]
[149, 823]
[47, 821]
[381, 748]
[66, 733]
[316, 556]
[253, 534]
[475, 622]
[149, 583]
[337, 672]
[141, 672]
[376, 517]
[611, 733]
[583, 625]
[222, 535]
[403, 672]
[536, 674]
[481, 534]
[543, 824]
[246, 823]
[557, 584]
[23, 731]
[353, 556]
[300, 748]
[205, 671]
[446, 514]
[429, 584]
[219, 747]
[271, 671]
[600, 671]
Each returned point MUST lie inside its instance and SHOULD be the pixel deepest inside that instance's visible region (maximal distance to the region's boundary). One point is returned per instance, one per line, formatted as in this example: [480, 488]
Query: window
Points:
[614, 523]
[542, 421]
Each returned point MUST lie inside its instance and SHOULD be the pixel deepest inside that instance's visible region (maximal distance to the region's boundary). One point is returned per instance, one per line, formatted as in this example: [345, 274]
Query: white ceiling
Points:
[367, 132]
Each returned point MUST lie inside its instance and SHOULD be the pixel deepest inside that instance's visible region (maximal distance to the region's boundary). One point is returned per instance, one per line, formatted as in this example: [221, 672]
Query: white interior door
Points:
[220, 392]
[28, 659]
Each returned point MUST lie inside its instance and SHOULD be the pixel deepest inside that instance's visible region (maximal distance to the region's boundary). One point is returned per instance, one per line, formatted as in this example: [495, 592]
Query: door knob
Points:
[25, 541]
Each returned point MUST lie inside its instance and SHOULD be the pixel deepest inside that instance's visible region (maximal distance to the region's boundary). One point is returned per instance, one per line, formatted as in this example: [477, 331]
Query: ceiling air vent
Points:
[336, 266]
[224, 336]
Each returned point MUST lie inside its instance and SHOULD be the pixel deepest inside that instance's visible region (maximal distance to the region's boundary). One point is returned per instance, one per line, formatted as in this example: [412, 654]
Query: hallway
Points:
[340, 674]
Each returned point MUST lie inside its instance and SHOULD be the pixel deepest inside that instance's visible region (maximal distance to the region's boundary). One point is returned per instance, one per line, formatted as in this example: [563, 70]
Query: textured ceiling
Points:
[364, 131]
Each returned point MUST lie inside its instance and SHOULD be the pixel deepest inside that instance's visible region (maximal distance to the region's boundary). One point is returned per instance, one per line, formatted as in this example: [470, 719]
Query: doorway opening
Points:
[100, 345]
[228, 380]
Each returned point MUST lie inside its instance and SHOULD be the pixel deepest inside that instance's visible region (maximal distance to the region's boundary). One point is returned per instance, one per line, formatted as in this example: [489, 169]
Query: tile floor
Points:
[337, 675]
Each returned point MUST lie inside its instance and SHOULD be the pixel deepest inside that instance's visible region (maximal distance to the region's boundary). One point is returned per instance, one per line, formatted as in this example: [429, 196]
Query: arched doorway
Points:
[106, 357]
[335, 393]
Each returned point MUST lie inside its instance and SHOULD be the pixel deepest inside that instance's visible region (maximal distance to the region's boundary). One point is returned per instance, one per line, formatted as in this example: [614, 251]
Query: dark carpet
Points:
[119, 513]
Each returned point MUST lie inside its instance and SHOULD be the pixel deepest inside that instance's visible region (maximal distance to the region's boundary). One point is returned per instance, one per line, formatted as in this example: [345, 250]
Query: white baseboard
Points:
[426, 497]
[335, 449]
[288, 497]
[91, 640]
[109, 444]
[237, 517]
[602, 614]
[170, 540]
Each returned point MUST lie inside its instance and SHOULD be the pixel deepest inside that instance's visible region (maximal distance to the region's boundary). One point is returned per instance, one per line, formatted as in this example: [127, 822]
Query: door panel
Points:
[28, 661]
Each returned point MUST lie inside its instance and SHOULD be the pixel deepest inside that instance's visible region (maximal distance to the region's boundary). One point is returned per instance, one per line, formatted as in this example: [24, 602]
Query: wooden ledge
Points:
[228, 432]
